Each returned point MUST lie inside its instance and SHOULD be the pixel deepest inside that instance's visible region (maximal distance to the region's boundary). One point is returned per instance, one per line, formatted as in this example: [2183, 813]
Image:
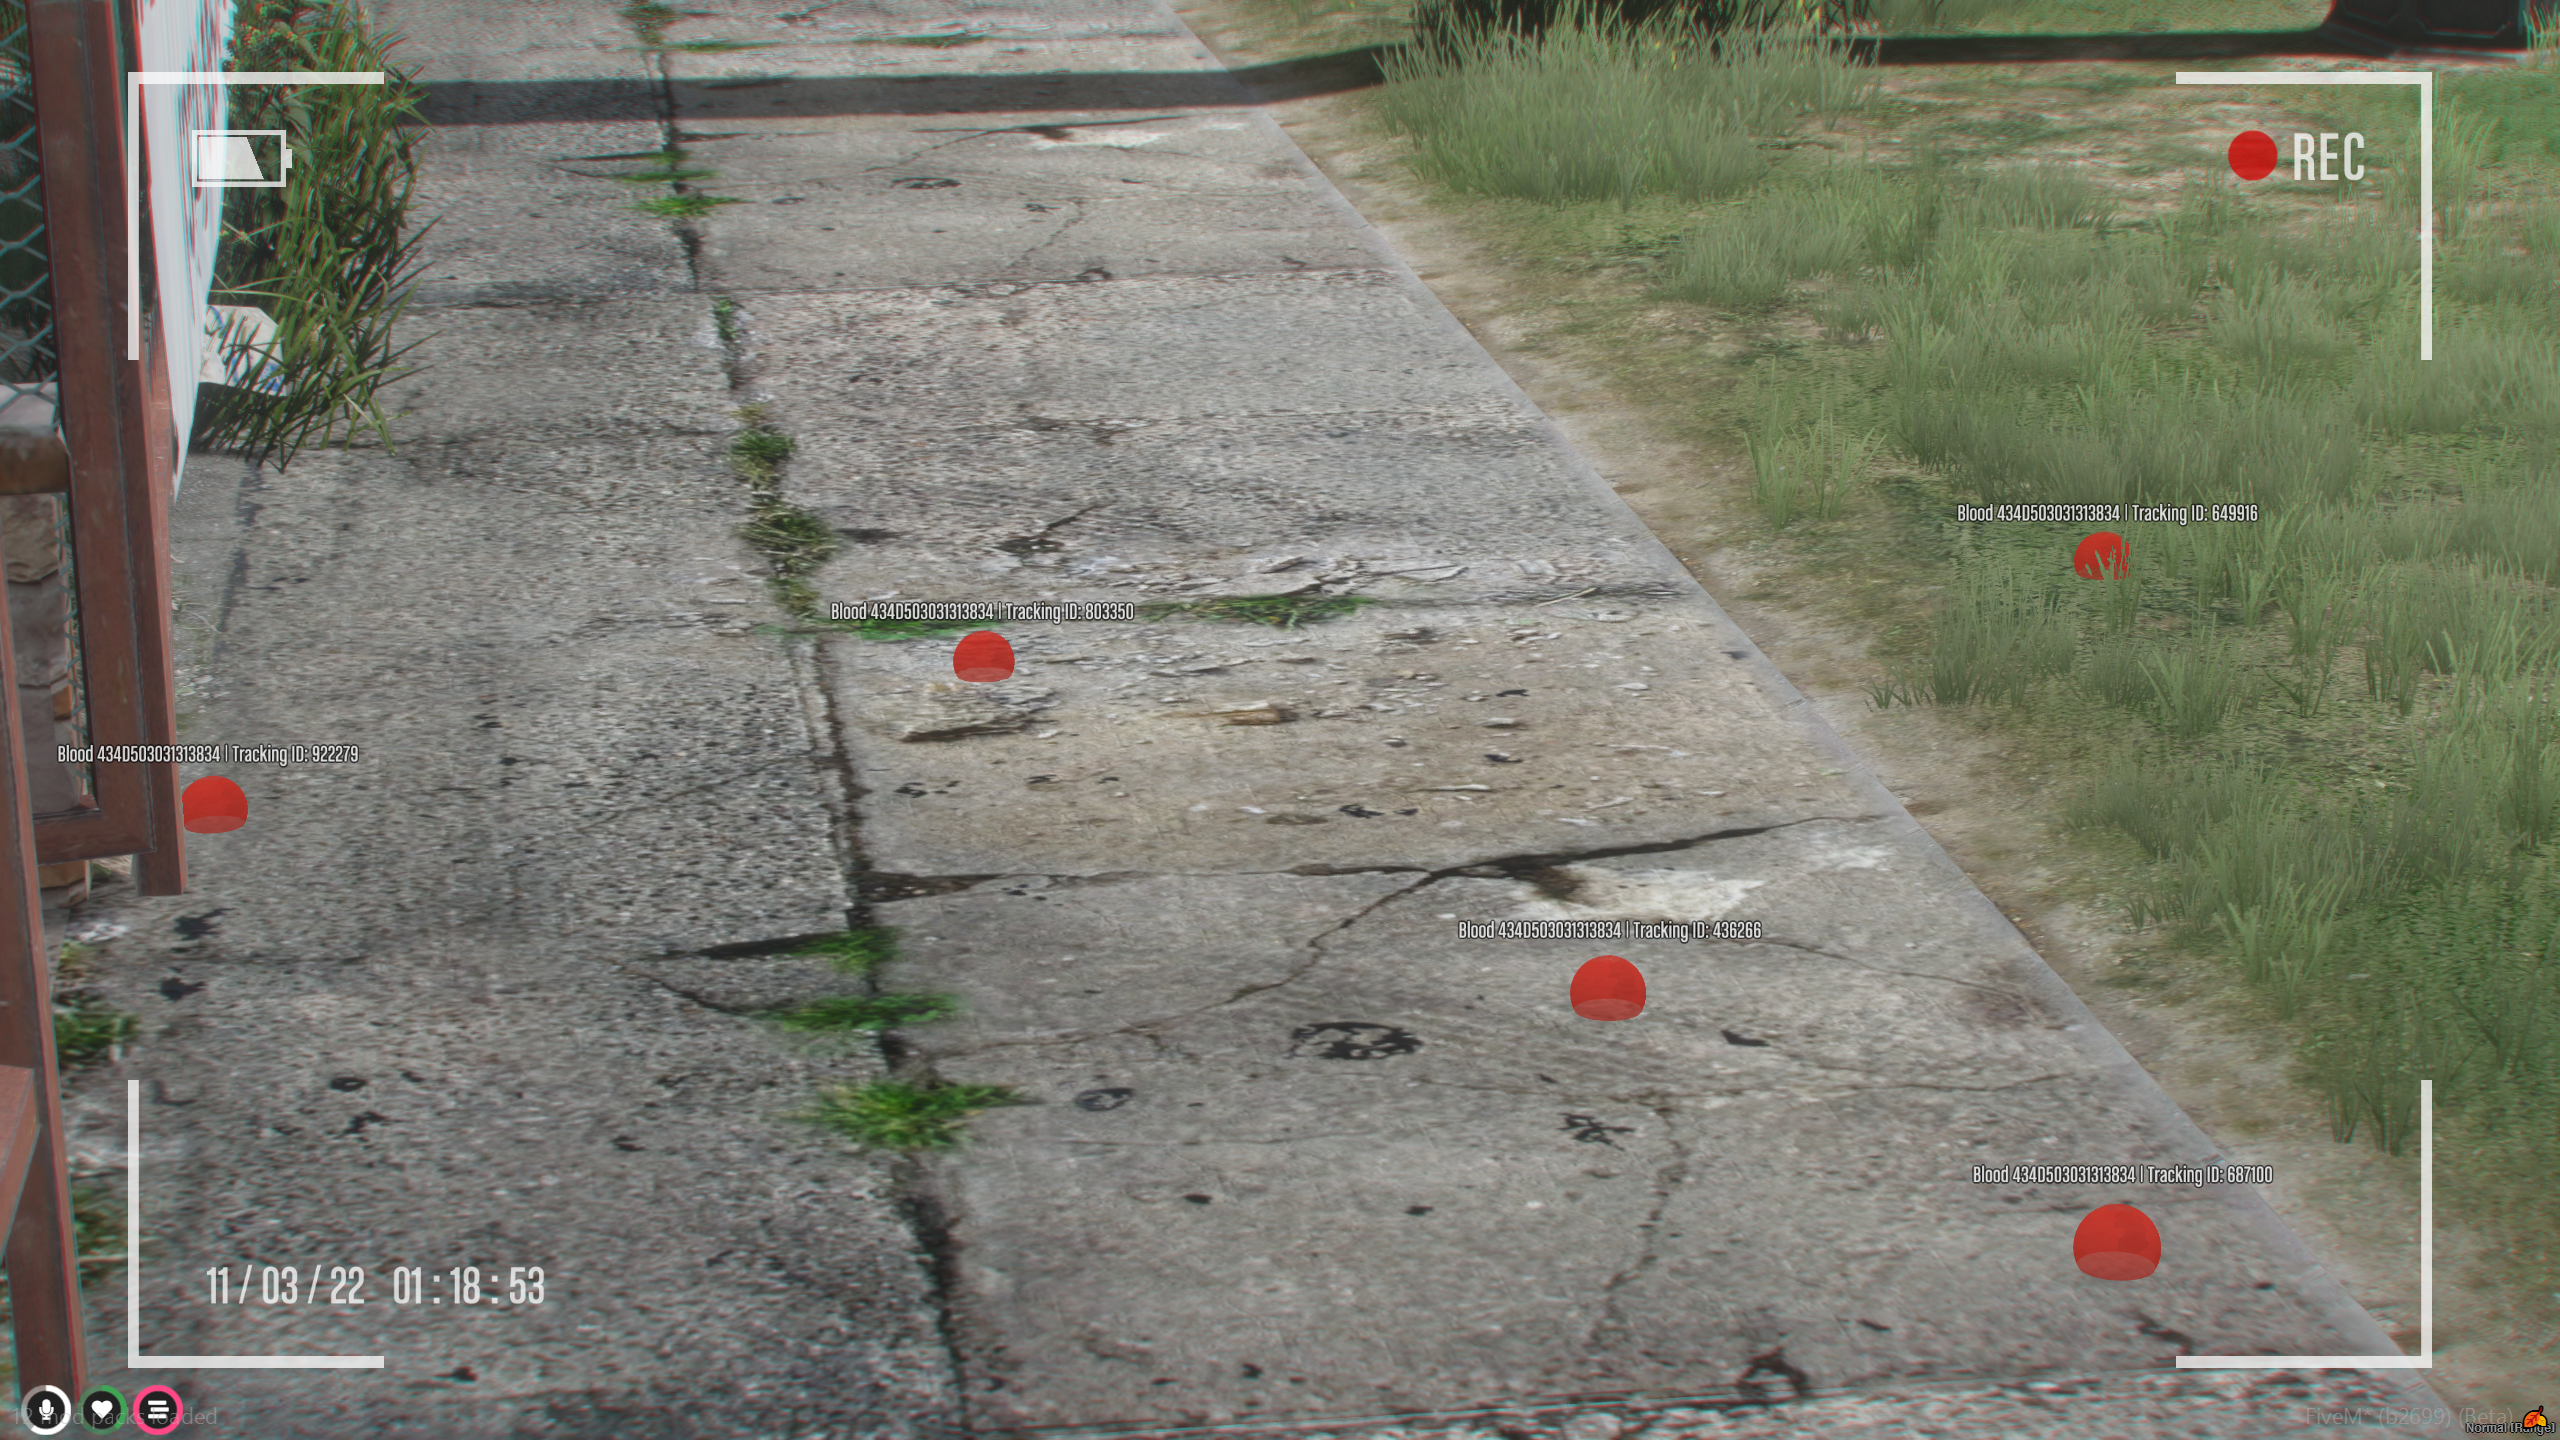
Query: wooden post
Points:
[44, 1266]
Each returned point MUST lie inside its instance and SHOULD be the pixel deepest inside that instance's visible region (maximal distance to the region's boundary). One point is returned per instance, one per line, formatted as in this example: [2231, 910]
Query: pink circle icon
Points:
[157, 1410]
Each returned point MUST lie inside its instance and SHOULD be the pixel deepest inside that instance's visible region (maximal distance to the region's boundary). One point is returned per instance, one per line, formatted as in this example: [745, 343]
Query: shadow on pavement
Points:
[523, 102]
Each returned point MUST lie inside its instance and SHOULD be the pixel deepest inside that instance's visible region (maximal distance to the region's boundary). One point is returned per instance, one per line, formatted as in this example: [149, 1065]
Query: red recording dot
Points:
[2101, 556]
[2253, 155]
[1607, 988]
[213, 805]
[2116, 1242]
[982, 657]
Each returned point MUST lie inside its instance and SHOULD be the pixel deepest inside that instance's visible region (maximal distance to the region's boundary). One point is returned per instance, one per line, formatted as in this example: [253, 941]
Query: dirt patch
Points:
[1989, 801]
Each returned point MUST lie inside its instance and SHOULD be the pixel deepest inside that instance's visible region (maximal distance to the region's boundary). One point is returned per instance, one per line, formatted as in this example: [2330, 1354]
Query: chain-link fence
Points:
[28, 367]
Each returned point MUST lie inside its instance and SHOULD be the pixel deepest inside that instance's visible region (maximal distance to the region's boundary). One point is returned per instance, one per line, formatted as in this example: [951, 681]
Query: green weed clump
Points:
[83, 1032]
[332, 257]
[899, 1115]
[1593, 107]
[856, 952]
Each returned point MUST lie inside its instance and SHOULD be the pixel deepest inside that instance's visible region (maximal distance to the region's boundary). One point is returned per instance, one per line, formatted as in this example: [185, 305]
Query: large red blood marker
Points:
[2101, 556]
[2253, 155]
[213, 805]
[982, 656]
[2116, 1242]
[1608, 988]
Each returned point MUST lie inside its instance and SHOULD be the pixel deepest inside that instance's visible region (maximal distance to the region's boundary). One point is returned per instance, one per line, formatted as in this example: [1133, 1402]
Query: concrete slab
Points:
[1181, 748]
[459, 1000]
[1299, 1154]
[1296, 1155]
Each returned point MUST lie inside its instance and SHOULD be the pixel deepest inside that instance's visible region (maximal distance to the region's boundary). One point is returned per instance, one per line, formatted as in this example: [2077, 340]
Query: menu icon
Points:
[157, 1410]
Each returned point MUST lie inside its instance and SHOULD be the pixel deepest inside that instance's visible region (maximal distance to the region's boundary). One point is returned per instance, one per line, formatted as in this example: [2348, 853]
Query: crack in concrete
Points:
[1221, 1140]
[1554, 859]
[1148, 1029]
[1051, 130]
[2010, 995]
[1080, 215]
[1651, 1096]
[742, 1011]
[1531, 860]
[872, 883]
[1611, 1326]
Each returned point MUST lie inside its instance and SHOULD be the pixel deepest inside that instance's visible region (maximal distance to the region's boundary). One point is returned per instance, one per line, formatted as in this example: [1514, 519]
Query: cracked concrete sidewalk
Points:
[1297, 1156]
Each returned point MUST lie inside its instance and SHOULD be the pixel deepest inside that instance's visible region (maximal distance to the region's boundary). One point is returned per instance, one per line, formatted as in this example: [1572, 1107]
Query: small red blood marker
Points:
[213, 805]
[2101, 556]
[983, 657]
[2116, 1242]
[1608, 988]
[2253, 155]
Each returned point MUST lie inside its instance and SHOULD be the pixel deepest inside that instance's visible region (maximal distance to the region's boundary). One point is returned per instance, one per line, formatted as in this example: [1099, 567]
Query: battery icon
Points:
[241, 159]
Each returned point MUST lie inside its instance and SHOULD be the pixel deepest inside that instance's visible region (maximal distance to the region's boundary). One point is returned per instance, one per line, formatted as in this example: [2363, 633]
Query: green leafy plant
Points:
[858, 951]
[83, 1032]
[898, 1115]
[331, 258]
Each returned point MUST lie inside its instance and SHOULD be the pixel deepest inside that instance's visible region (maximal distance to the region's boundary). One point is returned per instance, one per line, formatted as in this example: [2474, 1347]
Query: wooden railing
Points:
[105, 441]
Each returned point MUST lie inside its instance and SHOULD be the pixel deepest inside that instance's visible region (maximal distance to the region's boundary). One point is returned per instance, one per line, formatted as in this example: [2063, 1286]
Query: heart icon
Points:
[102, 1408]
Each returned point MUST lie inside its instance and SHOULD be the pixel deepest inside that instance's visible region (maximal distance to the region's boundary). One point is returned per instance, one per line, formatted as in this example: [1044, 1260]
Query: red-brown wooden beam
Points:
[162, 869]
[118, 505]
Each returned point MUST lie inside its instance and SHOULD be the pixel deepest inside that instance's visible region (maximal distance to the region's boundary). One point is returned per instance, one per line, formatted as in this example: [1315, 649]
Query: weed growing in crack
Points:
[670, 170]
[650, 19]
[759, 452]
[856, 952]
[686, 207]
[897, 1115]
[335, 264]
[721, 47]
[83, 1032]
[792, 540]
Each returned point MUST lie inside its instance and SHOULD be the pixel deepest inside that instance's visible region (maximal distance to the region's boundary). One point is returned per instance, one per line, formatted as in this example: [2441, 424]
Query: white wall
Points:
[186, 223]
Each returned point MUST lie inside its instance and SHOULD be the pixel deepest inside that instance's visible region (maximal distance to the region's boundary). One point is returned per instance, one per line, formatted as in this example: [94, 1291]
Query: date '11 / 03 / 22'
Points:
[345, 1285]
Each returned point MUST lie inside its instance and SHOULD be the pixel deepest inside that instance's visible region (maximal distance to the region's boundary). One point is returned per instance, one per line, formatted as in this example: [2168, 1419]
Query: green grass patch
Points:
[865, 1012]
[856, 952]
[650, 19]
[897, 1115]
[721, 46]
[83, 1032]
[685, 207]
[333, 260]
[1595, 109]
[1283, 612]
[758, 452]
[793, 541]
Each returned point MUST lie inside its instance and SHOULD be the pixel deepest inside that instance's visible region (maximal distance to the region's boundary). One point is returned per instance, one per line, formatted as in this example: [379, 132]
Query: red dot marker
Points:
[2116, 1242]
[213, 805]
[2101, 556]
[982, 657]
[2253, 155]
[1608, 988]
